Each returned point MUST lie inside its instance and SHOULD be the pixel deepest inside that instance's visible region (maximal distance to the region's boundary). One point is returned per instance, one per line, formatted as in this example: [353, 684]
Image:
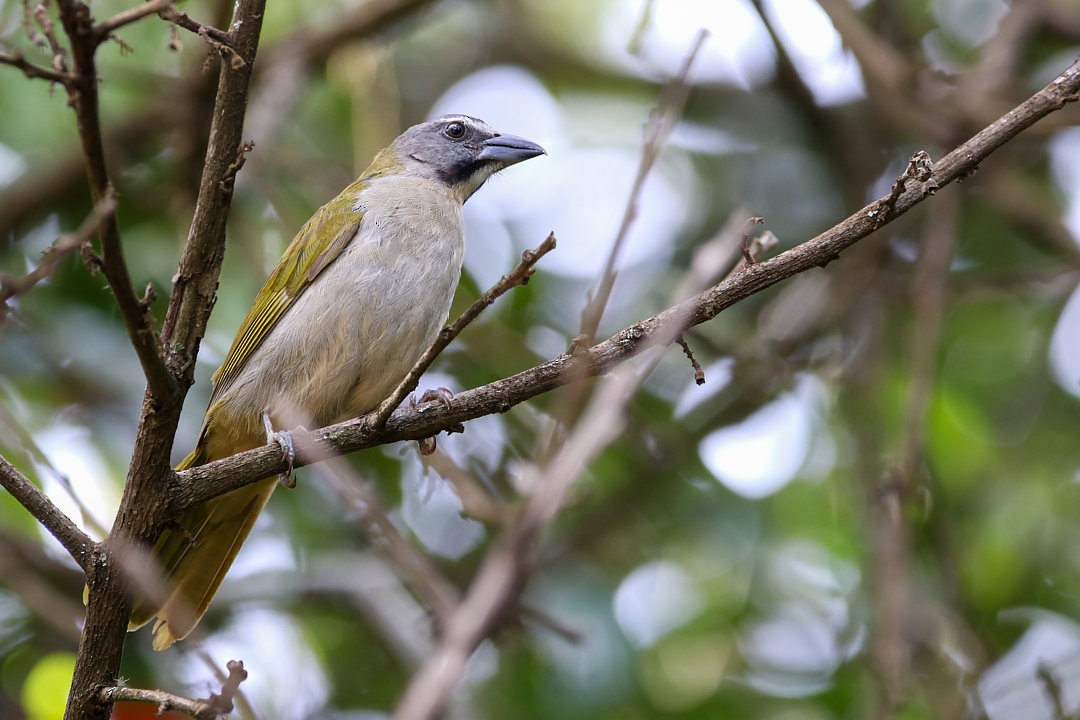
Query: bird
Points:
[359, 294]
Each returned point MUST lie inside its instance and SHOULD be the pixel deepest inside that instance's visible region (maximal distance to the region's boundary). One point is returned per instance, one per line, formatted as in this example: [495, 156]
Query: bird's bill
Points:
[509, 149]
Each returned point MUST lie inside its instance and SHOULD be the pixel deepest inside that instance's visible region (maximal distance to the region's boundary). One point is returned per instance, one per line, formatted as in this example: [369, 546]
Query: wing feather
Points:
[318, 244]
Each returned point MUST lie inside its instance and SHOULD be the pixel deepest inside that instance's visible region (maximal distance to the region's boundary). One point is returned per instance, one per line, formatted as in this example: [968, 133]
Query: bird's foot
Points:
[443, 395]
[284, 440]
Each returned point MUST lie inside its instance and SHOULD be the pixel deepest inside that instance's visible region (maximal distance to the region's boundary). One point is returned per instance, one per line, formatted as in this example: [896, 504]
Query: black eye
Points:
[455, 130]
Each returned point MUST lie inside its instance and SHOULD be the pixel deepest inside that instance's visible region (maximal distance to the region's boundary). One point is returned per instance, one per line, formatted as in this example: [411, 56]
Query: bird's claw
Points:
[284, 440]
[443, 395]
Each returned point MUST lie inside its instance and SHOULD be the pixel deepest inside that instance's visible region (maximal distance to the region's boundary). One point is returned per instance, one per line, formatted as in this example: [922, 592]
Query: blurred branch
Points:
[1026, 203]
[661, 122]
[60, 249]
[46, 587]
[314, 45]
[199, 484]
[305, 46]
[18, 60]
[33, 455]
[891, 642]
[476, 503]
[413, 566]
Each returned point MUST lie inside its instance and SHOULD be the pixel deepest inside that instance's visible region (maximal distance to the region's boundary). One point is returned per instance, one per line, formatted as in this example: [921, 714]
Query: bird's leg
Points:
[284, 440]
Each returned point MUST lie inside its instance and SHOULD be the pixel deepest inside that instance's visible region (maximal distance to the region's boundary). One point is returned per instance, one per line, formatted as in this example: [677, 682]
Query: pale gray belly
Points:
[352, 336]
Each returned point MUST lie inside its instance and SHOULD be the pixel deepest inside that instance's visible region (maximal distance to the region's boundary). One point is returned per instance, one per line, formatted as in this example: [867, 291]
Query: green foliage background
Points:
[859, 586]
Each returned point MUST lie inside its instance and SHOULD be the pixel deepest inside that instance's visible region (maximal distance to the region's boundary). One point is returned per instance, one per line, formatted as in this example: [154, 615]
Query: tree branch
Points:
[103, 29]
[216, 705]
[139, 517]
[78, 544]
[217, 38]
[30, 70]
[51, 257]
[199, 484]
[83, 94]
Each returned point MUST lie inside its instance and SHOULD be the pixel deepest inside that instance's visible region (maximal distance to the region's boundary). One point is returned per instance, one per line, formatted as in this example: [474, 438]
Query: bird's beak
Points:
[509, 149]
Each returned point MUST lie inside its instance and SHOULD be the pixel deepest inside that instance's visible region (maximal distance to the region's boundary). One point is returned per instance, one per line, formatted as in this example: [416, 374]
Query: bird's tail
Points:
[194, 553]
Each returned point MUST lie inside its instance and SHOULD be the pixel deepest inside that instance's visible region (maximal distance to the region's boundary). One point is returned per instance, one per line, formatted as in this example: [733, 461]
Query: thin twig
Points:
[662, 121]
[213, 707]
[48, 37]
[239, 698]
[518, 276]
[103, 29]
[55, 253]
[16, 59]
[215, 36]
[83, 94]
[165, 702]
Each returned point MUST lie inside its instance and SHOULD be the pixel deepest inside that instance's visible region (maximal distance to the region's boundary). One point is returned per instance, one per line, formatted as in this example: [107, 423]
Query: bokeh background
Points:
[869, 509]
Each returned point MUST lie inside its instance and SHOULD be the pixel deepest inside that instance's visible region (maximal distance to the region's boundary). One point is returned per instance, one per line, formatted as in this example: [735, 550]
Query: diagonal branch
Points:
[60, 249]
[661, 122]
[199, 484]
[75, 541]
[16, 59]
[103, 29]
[518, 276]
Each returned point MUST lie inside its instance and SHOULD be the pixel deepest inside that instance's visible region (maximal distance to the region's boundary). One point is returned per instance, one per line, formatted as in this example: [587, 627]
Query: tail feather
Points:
[194, 555]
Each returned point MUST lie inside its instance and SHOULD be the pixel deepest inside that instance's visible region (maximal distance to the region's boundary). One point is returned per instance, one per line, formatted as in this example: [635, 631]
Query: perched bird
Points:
[360, 293]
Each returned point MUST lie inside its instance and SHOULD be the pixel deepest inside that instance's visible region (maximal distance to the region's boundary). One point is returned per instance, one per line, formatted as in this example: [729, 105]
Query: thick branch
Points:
[139, 516]
[75, 541]
[202, 483]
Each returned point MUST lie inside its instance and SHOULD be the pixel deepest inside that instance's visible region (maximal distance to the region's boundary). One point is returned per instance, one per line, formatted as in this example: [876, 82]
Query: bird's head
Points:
[457, 150]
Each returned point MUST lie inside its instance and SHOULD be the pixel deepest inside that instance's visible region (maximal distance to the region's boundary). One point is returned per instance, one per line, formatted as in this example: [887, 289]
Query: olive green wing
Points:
[317, 245]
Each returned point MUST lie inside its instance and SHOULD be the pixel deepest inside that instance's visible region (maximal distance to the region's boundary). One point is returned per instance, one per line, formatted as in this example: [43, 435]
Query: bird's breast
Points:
[354, 333]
